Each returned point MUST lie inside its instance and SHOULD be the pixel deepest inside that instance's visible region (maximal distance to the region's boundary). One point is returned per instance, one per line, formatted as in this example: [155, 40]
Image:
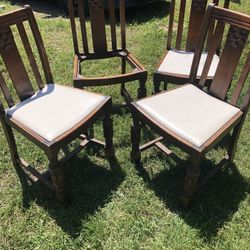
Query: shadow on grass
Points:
[211, 207]
[90, 187]
[48, 7]
[137, 14]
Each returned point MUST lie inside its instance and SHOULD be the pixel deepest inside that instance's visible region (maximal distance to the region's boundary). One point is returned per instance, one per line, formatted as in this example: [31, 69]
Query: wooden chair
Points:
[101, 48]
[54, 115]
[176, 63]
[192, 118]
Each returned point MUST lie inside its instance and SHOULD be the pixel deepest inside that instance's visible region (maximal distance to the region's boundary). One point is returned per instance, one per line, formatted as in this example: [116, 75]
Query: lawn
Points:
[124, 207]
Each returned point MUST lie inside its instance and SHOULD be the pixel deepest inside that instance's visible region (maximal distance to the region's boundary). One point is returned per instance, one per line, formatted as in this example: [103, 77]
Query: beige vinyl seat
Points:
[55, 109]
[179, 63]
[189, 112]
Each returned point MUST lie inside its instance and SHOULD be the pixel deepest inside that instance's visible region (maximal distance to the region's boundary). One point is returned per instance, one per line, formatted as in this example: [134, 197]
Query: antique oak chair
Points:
[101, 48]
[175, 65]
[196, 119]
[54, 115]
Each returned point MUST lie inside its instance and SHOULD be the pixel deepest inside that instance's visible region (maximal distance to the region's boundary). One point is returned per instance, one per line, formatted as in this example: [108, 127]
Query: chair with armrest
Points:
[54, 115]
[175, 65]
[193, 117]
[101, 50]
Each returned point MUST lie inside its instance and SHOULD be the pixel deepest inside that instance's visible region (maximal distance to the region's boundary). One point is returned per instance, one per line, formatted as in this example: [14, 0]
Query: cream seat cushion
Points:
[189, 112]
[55, 109]
[180, 62]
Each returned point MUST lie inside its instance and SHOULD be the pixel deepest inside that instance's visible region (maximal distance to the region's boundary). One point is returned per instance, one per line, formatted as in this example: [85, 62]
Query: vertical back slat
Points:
[40, 46]
[198, 51]
[180, 24]
[81, 12]
[14, 64]
[241, 81]
[198, 9]
[112, 24]
[123, 23]
[97, 18]
[213, 45]
[211, 28]
[73, 26]
[6, 91]
[229, 59]
[30, 55]
[170, 25]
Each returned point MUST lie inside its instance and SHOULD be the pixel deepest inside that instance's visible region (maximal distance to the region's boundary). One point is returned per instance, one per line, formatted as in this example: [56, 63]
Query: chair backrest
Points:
[15, 68]
[195, 17]
[98, 28]
[234, 62]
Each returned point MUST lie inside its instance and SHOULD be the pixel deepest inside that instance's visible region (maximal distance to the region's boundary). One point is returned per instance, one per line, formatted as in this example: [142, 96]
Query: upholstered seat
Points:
[180, 62]
[189, 112]
[55, 109]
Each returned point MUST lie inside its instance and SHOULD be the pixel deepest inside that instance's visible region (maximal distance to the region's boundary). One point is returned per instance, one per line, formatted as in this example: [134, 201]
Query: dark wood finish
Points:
[196, 15]
[101, 47]
[18, 75]
[235, 35]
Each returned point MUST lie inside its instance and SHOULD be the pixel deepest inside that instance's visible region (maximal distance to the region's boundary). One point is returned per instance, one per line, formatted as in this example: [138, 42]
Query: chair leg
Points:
[135, 154]
[157, 82]
[191, 179]
[12, 144]
[123, 65]
[165, 86]
[108, 134]
[234, 141]
[57, 177]
[142, 91]
[123, 69]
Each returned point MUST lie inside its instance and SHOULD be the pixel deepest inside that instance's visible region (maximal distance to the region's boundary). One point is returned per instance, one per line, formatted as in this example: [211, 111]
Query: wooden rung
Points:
[35, 174]
[168, 152]
[163, 148]
[150, 144]
[215, 169]
[93, 140]
[117, 107]
[74, 152]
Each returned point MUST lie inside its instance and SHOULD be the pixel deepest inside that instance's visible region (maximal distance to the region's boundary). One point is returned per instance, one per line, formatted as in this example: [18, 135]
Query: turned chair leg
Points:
[135, 141]
[57, 177]
[191, 179]
[142, 91]
[108, 134]
[157, 82]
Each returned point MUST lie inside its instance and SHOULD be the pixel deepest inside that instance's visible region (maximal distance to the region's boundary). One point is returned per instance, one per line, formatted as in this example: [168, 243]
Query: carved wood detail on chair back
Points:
[15, 68]
[236, 40]
[98, 23]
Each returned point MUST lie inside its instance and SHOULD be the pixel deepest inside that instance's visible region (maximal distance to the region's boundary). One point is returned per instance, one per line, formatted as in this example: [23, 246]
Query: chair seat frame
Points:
[138, 73]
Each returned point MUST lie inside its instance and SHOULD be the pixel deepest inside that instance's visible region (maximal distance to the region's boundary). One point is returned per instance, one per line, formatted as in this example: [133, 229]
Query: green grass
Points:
[125, 208]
